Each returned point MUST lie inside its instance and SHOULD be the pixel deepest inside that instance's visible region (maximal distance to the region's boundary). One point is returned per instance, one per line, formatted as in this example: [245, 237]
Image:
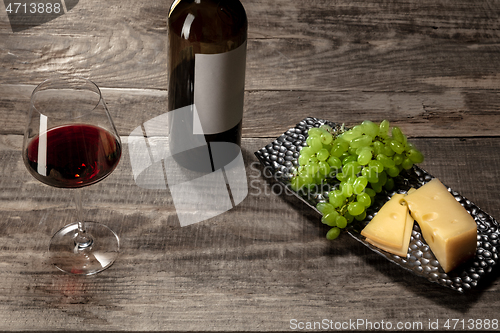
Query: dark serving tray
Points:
[280, 157]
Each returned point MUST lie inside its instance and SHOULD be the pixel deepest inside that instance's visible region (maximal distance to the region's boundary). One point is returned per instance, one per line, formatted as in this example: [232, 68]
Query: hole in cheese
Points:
[429, 217]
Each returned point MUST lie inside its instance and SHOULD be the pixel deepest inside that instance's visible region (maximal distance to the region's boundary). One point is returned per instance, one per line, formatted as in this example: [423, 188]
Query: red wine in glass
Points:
[73, 155]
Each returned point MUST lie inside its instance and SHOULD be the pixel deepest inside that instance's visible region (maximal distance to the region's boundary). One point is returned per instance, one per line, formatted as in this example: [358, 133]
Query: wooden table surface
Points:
[431, 67]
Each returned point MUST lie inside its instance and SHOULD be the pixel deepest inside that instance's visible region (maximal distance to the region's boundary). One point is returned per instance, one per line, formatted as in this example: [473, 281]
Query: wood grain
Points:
[255, 267]
[375, 46]
[430, 67]
[453, 113]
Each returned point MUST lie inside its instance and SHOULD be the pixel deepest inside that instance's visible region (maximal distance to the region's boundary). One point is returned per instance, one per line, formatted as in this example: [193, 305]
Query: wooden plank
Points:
[446, 114]
[270, 113]
[267, 256]
[457, 162]
[321, 46]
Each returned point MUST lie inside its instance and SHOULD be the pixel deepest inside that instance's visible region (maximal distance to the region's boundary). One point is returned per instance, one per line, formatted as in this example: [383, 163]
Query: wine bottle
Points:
[206, 64]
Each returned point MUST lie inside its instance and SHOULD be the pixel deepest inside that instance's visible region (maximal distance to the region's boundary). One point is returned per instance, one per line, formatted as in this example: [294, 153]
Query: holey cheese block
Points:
[280, 156]
[390, 230]
[447, 227]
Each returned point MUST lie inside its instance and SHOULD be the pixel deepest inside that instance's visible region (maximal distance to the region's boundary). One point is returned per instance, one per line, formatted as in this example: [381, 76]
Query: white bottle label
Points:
[219, 86]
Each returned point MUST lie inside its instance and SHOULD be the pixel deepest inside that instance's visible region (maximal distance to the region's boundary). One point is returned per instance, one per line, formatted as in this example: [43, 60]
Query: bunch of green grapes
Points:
[356, 164]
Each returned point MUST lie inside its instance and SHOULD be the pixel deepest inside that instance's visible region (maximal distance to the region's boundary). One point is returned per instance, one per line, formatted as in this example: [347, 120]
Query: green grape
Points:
[325, 207]
[348, 159]
[351, 151]
[370, 173]
[336, 198]
[303, 159]
[339, 147]
[376, 165]
[324, 168]
[397, 147]
[330, 218]
[362, 141]
[335, 163]
[328, 148]
[355, 208]
[326, 138]
[393, 171]
[300, 181]
[341, 222]
[348, 217]
[386, 161]
[370, 128]
[387, 151]
[361, 216]
[382, 178]
[359, 184]
[350, 135]
[351, 168]
[371, 192]
[364, 199]
[344, 155]
[398, 135]
[407, 164]
[322, 155]
[389, 184]
[357, 129]
[314, 132]
[312, 160]
[378, 147]
[340, 176]
[306, 179]
[295, 184]
[415, 156]
[409, 146]
[347, 189]
[398, 159]
[333, 233]
[314, 143]
[312, 168]
[384, 128]
[376, 187]
[364, 156]
[351, 180]
[361, 149]
[306, 151]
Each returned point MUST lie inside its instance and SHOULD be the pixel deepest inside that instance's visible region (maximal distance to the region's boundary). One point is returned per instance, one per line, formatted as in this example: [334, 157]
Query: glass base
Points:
[70, 258]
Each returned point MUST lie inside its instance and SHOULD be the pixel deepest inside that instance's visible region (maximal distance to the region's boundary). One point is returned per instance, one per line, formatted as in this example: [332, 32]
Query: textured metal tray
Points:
[280, 157]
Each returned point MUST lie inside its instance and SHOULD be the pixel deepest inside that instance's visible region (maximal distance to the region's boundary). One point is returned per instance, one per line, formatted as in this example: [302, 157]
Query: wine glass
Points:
[70, 142]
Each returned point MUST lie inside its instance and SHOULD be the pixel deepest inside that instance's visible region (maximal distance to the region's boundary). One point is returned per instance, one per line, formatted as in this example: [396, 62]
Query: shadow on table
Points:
[438, 294]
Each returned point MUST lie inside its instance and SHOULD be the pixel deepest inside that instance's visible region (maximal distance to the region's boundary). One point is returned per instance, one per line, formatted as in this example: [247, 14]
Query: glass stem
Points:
[82, 239]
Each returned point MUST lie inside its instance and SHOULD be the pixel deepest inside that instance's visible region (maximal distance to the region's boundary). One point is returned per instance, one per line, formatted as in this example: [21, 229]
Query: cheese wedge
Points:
[401, 251]
[387, 228]
[446, 226]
